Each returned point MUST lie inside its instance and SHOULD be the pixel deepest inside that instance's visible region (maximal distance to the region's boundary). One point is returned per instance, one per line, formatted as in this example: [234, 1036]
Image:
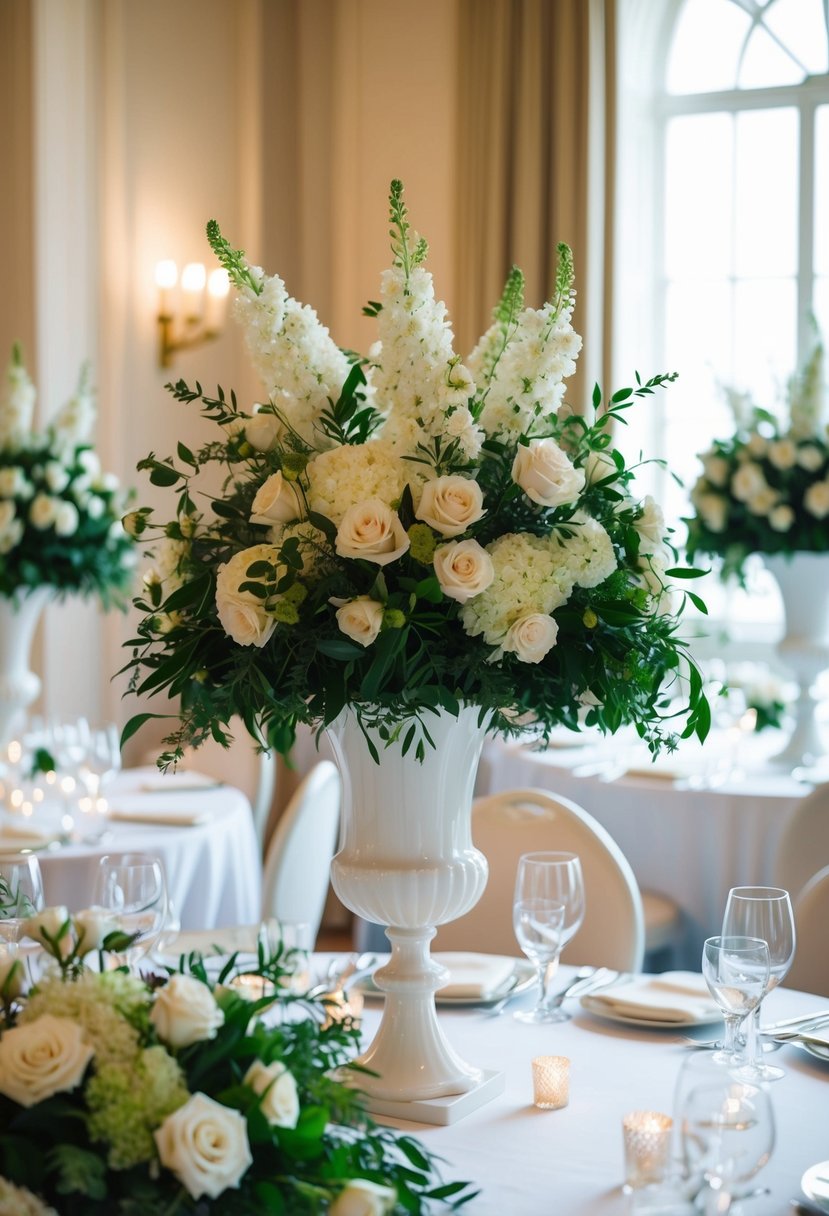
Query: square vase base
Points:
[442, 1110]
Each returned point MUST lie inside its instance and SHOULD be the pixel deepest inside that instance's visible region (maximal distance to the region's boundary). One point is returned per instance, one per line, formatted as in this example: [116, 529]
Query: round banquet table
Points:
[203, 832]
[530, 1162]
[689, 830]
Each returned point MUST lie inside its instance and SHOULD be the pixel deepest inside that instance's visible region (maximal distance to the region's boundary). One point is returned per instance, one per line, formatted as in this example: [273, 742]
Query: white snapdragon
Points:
[74, 423]
[808, 396]
[17, 405]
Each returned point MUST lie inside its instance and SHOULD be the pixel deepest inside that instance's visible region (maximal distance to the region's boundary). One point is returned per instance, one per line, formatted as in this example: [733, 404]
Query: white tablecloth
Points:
[692, 843]
[214, 869]
[529, 1162]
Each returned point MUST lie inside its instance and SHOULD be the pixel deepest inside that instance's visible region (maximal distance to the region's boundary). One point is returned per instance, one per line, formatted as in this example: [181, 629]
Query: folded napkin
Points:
[674, 996]
[161, 816]
[17, 836]
[474, 976]
[182, 779]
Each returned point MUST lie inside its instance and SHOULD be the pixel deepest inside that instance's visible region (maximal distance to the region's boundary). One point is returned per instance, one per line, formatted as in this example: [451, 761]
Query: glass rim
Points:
[735, 937]
[549, 855]
[759, 893]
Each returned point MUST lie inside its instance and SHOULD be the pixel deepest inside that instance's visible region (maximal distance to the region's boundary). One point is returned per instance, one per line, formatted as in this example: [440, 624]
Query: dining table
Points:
[201, 829]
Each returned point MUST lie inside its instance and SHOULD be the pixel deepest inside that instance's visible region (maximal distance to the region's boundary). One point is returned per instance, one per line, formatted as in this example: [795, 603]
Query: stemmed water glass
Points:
[736, 970]
[133, 888]
[21, 894]
[727, 1134]
[764, 912]
[547, 911]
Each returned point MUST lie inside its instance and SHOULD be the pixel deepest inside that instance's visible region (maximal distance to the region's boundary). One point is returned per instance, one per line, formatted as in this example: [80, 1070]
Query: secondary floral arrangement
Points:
[766, 488]
[409, 531]
[60, 515]
[123, 1095]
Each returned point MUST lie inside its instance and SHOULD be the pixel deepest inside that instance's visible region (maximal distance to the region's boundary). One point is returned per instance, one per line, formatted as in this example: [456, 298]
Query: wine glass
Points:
[133, 888]
[736, 970]
[547, 911]
[764, 912]
[21, 893]
[727, 1134]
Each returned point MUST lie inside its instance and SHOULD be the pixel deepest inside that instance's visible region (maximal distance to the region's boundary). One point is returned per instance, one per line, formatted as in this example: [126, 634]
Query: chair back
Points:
[810, 969]
[504, 826]
[298, 860]
[803, 848]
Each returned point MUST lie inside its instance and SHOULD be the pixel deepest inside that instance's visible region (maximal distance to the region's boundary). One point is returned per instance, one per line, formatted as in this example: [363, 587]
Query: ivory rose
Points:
[205, 1145]
[262, 431]
[92, 925]
[360, 619]
[598, 466]
[816, 499]
[42, 511]
[546, 474]
[371, 530]
[651, 526]
[276, 1085]
[49, 920]
[531, 637]
[241, 613]
[41, 1058]
[185, 1012]
[450, 504]
[463, 569]
[360, 1197]
[276, 502]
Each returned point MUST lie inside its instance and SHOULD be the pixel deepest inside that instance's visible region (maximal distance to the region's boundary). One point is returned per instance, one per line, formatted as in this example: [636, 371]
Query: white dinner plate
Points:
[610, 1015]
[815, 1049]
[524, 970]
[815, 1184]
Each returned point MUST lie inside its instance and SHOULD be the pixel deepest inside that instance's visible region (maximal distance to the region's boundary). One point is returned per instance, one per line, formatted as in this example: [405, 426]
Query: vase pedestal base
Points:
[442, 1111]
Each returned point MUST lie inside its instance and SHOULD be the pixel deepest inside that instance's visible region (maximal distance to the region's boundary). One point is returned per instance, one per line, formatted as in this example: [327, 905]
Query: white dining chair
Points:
[507, 824]
[298, 860]
[803, 847]
[810, 969]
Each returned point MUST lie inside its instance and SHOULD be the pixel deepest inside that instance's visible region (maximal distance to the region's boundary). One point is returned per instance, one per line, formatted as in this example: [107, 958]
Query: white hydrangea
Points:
[587, 555]
[344, 476]
[419, 382]
[17, 405]
[529, 577]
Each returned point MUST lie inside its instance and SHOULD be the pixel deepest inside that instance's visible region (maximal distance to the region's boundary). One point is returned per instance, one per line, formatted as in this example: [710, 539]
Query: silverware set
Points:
[588, 979]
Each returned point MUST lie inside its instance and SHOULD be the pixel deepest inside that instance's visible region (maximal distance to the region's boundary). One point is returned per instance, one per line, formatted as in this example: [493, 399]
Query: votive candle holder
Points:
[551, 1082]
[647, 1141]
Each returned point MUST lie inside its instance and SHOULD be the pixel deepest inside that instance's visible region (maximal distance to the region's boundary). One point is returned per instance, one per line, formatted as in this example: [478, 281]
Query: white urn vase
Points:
[19, 615]
[803, 579]
[407, 861]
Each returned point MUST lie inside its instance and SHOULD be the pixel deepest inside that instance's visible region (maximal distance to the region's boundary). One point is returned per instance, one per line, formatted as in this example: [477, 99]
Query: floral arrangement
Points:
[766, 488]
[123, 1095]
[408, 531]
[60, 515]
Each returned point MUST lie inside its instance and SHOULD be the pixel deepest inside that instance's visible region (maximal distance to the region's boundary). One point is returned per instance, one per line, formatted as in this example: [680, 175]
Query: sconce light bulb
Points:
[166, 274]
[218, 284]
[193, 277]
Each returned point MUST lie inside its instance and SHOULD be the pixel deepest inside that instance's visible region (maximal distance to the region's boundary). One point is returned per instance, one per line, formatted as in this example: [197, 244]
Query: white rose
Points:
[11, 535]
[66, 518]
[748, 482]
[242, 614]
[781, 518]
[205, 1145]
[95, 506]
[185, 1012]
[11, 974]
[762, 503]
[546, 474]
[450, 504]
[598, 466]
[42, 511]
[41, 1058]
[89, 462]
[262, 431]
[782, 454]
[360, 619]
[55, 476]
[360, 1197]
[463, 569]
[713, 511]
[810, 458]
[49, 920]
[280, 1100]
[716, 469]
[7, 514]
[276, 502]
[816, 499]
[13, 483]
[372, 531]
[651, 526]
[757, 445]
[531, 637]
[92, 925]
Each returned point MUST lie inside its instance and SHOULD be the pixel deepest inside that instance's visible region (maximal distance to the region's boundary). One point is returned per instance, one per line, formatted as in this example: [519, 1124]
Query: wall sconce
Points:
[203, 300]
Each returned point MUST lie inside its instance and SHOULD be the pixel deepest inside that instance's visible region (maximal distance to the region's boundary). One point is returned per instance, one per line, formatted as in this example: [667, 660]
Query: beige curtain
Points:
[535, 158]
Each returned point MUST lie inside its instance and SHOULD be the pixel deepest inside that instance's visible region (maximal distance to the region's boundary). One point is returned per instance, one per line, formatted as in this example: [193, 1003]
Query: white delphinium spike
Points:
[807, 397]
[17, 403]
[74, 423]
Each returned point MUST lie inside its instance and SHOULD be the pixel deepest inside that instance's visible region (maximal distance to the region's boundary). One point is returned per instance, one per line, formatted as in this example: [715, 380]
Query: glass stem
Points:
[549, 970]
[732, 1021]
[752, 1037]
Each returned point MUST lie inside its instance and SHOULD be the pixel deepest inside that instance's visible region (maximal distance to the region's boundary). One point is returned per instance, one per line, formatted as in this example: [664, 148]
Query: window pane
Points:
[822, 190]
[801, 27]
[765, 339]
[766, 63]
[822, 307]
[698, 221]
[766, 192]
[698, 61]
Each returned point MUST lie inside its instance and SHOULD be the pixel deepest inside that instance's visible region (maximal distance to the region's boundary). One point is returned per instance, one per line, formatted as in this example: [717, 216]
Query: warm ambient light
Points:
[202, 300]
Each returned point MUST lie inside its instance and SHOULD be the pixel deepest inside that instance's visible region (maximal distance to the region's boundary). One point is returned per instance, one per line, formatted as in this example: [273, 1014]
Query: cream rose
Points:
[49, 920]
[763, 502]
[463, 569]
[11, 974]
[243, 617]
[716, 469]
[41, 1058]
[598, 466]
[713, 511]
[371, 530]
[360, 619]
[262, 431]
[781, 518]
[651, 526]
[782, 453]
[185, 1012]
[92, 925]
[450, 504]
[276, 502]
[42, 512]
[816, 499]
[546, 474]
[205, 1145]
[531, 637]
[277, 1087]
[748, 482]
[360, 1197]
[757, 445]
[810, 458]
[66, 517]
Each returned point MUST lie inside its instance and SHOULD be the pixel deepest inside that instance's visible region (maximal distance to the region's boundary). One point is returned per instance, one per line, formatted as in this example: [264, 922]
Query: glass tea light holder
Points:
[647, 1141]
[551, 1082]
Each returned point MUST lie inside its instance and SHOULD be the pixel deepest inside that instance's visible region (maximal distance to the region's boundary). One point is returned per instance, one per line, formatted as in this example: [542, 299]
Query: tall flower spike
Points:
[484, 358]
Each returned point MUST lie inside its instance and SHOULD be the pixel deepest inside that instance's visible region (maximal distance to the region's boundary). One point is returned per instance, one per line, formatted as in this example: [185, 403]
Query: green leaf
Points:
[164, 475]
[136, 722]
[686, 572]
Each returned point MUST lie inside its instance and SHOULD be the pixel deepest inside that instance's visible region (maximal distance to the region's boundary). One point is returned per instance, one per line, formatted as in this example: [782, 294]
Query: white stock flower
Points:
[242, 615]
[42, 512]
[531, 637]
[360, 1197]
[360, 619]
[650, 525]
[716, 469]
[816, 499]
[185, 1012]
[75, 422]
[810, 457]
[748, 482]
[66, 518]
[91, 926]
[463, 569]
[277, 1087]
[782, 453]
[546, 474]
[450, 504]
[205, 1145]
[276, 502]
[781, 518]
[17, 405]
[372, 531]
[43, 1057]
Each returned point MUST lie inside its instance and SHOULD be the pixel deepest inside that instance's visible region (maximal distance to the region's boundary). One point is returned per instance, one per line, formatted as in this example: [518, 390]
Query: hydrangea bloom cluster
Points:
[411, 530]
[765, 489]
[60, 515]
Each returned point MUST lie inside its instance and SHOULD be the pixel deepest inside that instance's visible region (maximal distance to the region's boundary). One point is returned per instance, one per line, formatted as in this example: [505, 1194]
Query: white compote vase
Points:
[406, 860]
[19, 615]
[803, 579]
